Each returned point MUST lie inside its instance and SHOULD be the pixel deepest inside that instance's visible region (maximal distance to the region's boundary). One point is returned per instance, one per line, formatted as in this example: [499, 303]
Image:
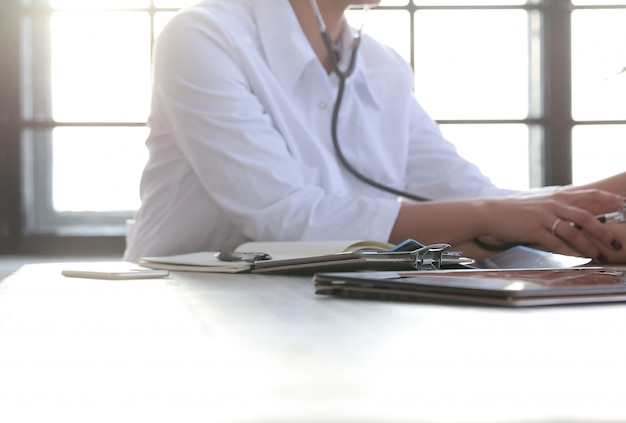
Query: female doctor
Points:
[241, 147]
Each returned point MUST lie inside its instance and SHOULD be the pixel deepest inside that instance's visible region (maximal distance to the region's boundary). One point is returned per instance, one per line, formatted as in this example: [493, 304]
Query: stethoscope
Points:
[343, 75]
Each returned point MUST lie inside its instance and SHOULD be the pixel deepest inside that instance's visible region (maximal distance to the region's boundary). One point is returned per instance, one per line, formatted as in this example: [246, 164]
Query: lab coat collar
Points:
[287, 50]
[288, 56]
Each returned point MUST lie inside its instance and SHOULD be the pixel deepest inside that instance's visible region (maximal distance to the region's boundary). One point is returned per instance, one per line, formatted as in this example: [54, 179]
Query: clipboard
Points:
[338, 262]
[430, 257]
[509, 288]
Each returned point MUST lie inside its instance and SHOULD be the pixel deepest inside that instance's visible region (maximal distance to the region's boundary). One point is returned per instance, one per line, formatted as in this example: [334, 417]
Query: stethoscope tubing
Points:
[343, 76]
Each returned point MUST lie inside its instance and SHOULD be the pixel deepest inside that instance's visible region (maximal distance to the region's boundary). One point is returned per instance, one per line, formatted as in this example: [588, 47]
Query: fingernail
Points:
[617, 246]
[601, 258]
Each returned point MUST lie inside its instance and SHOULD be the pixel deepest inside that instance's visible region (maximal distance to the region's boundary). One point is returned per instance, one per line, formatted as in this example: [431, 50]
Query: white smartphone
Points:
[115, 274]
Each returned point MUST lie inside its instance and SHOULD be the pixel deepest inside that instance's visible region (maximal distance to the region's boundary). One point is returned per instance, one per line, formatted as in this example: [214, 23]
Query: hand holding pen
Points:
[617, 217]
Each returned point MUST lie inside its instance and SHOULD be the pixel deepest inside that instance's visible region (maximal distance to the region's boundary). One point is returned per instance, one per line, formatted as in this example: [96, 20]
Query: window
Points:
[539, 84]
[86, 101]
[598, 89]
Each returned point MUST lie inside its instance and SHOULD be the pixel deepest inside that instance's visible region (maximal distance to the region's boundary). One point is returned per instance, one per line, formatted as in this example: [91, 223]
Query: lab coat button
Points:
[322, 105]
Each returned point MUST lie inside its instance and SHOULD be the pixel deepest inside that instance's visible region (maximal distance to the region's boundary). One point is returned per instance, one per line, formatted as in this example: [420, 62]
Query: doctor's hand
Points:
[562, 222]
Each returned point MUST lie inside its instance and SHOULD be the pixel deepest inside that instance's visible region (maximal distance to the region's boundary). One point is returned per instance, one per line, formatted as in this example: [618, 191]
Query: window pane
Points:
[391, 27]
[599, 64]
[174, 3]
[597, 152]
[97, 169]
[472, 64]
[468, 2]
[100, 66]
[598, 2]
[480, 144]
[99, 4]
[393, 2]
[160, 20]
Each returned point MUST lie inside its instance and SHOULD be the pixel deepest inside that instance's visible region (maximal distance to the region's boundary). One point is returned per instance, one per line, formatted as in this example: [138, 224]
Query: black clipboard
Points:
[510, 288]
[338, 262]
[361, 261]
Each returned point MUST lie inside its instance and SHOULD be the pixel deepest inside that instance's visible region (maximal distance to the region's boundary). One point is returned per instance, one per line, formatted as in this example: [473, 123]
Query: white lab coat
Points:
[240, 145]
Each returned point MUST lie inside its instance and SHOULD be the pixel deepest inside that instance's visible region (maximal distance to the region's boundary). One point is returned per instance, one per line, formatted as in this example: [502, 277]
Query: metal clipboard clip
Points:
[436, 256]
[427, 257]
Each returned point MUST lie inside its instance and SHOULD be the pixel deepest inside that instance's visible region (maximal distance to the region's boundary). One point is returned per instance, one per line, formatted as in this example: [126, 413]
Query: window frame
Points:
[25, 156]
[10, 106]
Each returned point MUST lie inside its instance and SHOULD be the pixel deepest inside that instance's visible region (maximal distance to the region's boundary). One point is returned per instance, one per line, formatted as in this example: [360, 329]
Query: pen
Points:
[617, 216]
[250, 257]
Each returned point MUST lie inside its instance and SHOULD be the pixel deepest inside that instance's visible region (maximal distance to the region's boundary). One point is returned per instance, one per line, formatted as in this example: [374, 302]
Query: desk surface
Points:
[256, 348]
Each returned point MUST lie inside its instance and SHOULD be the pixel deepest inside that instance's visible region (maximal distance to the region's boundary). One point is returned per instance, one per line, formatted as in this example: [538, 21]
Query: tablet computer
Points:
[512, 288]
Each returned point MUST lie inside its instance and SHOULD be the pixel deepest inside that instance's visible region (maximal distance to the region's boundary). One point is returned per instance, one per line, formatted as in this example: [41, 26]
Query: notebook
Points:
[510, 288]
[207, 261]
[297, 257]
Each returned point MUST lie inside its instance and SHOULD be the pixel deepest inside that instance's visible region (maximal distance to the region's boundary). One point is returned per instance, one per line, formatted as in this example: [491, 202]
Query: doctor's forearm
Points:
[451, 222]
[615, 184]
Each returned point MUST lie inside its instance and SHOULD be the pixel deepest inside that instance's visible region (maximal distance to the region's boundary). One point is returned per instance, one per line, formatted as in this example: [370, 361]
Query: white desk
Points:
[242, 348]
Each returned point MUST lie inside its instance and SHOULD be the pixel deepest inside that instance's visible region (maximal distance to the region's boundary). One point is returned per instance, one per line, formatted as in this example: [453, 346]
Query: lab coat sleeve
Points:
[205, 101]
[435, 169]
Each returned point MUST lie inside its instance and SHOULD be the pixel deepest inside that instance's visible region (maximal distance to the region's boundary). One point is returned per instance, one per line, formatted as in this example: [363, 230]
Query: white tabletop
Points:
[255, 348]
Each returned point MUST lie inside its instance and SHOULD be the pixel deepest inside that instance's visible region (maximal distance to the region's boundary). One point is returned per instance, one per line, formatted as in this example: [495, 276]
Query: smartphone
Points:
[116, 274]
